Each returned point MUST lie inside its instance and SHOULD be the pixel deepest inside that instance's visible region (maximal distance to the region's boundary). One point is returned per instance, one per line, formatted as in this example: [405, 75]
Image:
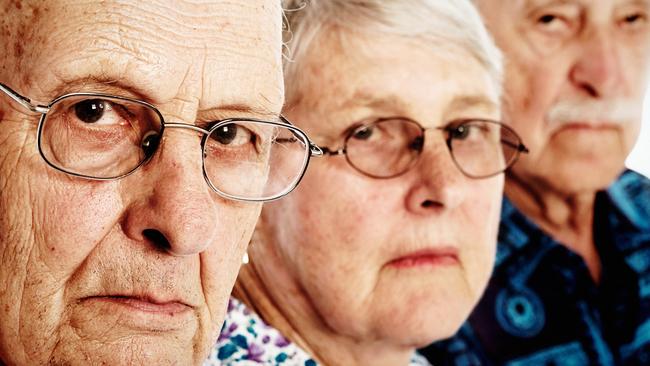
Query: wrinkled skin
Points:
[67, 244]
[579, 51]
[325, 252]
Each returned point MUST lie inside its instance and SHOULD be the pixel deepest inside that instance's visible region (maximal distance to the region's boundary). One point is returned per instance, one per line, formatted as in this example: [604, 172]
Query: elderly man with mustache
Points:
[572, 278]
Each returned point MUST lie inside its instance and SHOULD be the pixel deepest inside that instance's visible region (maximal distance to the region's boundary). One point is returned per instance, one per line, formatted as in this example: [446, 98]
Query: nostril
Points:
[591, 91]
[429, 204]
[157, 238]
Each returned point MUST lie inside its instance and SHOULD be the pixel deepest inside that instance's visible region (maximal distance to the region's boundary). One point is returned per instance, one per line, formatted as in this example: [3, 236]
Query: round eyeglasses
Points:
[389, 147]
[106, 137]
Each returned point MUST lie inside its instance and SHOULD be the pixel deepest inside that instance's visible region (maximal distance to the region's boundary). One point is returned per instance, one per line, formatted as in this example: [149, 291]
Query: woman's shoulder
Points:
[246, 340]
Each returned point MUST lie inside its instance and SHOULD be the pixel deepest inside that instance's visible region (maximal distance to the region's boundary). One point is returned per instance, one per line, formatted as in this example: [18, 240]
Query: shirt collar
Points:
[630, 194]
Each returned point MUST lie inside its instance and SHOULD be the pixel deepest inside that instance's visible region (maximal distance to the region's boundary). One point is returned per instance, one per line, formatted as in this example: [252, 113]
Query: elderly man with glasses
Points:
[137, 140]
[572, 281]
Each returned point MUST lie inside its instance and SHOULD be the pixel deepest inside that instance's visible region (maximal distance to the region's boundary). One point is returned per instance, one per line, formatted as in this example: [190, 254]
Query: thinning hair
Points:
[442, 23]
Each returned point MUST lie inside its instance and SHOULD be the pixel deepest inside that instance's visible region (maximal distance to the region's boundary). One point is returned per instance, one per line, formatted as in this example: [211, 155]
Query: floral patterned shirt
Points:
[246, 340]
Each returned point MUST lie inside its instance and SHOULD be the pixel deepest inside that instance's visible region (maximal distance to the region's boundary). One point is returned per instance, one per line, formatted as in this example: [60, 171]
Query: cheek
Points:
[49, 224]
[70, 218]
[337, 225]
[482, 214]
[531, 88]
[222, 259]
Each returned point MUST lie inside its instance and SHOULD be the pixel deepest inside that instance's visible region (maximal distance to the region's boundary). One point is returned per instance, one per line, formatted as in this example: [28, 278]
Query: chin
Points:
[131, 350]
[572, 173]
[597, 162]
[585, 176]
[427, 317]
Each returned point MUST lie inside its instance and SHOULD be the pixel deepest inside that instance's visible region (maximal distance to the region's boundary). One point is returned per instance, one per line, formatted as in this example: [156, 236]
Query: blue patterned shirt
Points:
[542, 307]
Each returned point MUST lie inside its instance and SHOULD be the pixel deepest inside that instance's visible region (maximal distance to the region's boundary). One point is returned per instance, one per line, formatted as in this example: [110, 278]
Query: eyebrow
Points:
[473, 101]
[645, 3]
[363, 99]
[530, 4]
[239, 110]
[98, 84]
[113, 86]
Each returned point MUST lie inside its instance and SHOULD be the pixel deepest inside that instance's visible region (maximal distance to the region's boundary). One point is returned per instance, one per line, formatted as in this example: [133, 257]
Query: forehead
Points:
[219, 52]
[394, 74]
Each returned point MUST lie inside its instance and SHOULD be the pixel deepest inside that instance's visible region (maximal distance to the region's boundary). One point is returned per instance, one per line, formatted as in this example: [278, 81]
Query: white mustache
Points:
[596, 113]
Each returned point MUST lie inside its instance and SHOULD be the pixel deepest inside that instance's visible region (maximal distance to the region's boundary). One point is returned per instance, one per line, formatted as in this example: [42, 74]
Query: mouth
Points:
[589, 126]
[441, 257]
[144, 304]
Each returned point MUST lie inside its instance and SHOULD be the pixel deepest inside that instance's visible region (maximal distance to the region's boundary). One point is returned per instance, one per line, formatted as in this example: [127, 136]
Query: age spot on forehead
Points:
[18, 26]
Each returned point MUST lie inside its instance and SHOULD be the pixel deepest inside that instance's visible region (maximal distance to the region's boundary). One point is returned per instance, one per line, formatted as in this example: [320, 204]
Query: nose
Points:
[171, 207]
[597, 71]
[436, 182]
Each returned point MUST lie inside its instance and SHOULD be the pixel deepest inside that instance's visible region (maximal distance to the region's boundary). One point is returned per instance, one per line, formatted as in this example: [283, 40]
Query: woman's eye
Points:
[96, 111]
[460, 132]
[232, 134]
[363, 133]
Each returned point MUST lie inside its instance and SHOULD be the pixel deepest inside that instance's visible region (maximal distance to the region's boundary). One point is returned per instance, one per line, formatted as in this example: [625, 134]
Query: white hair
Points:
[442, 23]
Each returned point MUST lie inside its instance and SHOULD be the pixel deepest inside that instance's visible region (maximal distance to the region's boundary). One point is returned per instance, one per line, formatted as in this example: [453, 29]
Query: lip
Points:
[430, 257]
[144, 303]
[589, 126]
[144, 313]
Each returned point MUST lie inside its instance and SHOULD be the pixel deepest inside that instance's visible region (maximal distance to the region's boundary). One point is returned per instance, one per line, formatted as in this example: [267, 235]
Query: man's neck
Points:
[293, 315]
[567, 217]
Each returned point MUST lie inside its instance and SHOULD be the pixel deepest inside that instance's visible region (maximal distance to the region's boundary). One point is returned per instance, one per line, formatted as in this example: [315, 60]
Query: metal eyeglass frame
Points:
[313, 149]
[519, 148]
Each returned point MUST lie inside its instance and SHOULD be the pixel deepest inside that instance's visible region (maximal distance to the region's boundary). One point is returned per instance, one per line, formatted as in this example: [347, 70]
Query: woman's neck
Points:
[288, 310]
[567, 217]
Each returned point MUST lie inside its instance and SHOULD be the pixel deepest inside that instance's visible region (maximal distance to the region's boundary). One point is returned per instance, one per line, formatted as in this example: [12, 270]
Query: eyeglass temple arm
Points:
[332, 152]
[314, 149]
[521, 147]
[25, 102]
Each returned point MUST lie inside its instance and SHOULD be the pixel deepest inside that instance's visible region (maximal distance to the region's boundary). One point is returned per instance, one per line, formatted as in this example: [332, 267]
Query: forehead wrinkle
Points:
[140, 61]
[475, 101]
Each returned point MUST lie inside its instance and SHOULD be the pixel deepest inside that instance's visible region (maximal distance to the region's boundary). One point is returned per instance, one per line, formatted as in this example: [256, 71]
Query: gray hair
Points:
[440, 22]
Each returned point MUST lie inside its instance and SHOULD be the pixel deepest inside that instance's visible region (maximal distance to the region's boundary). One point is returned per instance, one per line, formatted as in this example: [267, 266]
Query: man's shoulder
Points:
[630, 194]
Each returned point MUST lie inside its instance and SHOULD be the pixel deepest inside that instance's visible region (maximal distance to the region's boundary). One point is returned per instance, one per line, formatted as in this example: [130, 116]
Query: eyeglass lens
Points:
[102, 137]
[390, 147]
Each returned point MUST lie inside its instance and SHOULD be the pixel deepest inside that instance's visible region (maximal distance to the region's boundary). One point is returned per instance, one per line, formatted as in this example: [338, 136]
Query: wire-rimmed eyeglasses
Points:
[106, 137]
[390, 147]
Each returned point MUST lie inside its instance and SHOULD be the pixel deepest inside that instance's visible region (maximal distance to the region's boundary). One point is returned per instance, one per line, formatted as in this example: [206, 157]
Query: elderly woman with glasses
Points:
[136, 142]
[390, 239]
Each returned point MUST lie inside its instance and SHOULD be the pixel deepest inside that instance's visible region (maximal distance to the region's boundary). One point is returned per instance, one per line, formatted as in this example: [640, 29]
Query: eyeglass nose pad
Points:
[150, 142]
[417, 144]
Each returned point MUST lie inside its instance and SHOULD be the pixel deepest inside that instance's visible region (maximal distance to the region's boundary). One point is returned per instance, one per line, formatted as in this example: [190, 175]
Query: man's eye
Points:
[547, 19]
[232, 134]
[101, 112]
[634, 20]
[91, 110]
[552, 23]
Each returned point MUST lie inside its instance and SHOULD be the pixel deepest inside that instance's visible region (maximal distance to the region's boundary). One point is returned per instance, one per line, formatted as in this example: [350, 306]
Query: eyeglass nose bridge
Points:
[188, 126]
